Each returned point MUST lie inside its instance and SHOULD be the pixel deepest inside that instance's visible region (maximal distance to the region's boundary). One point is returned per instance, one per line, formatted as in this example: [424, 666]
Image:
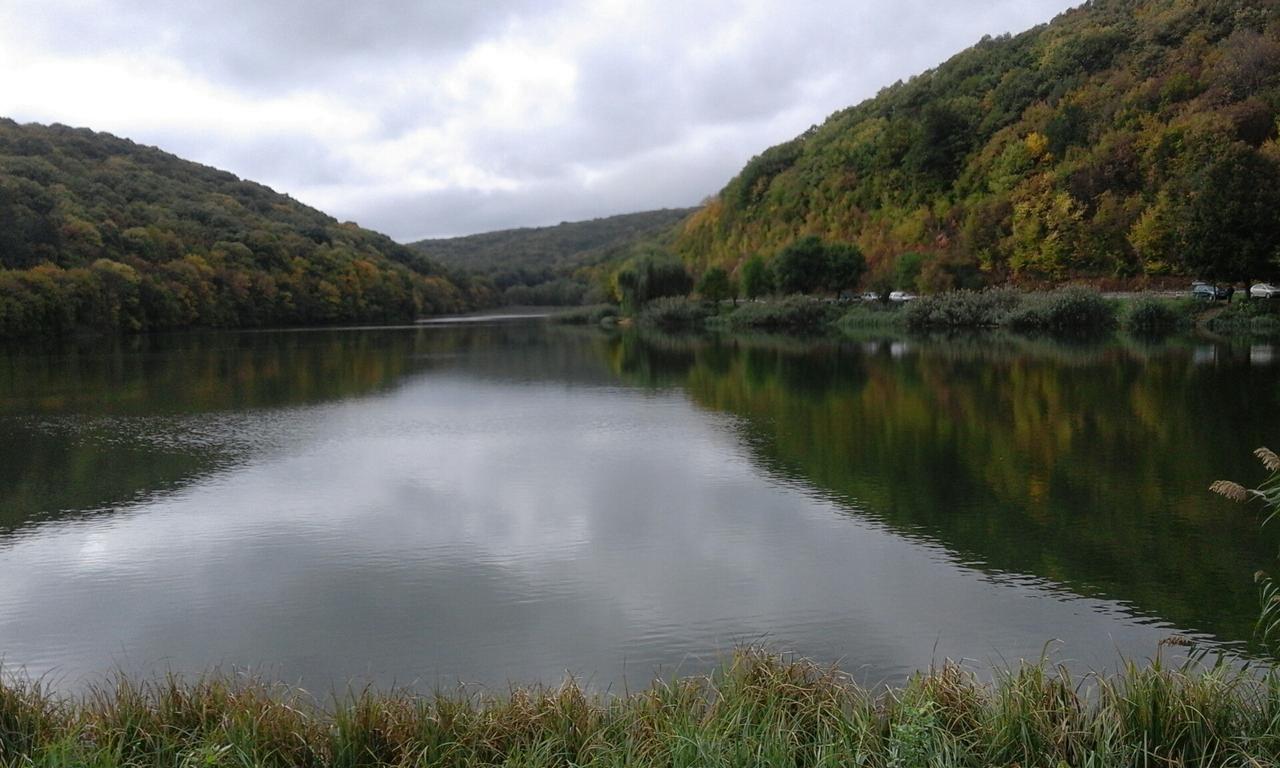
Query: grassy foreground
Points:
[760, 709]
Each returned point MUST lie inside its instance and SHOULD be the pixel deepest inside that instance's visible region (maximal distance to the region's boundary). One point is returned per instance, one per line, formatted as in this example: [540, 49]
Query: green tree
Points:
[845, 267]
[715, 285]
[651, 274]
[906, 270]
[757, 277]
[801, 267]
[809, 265]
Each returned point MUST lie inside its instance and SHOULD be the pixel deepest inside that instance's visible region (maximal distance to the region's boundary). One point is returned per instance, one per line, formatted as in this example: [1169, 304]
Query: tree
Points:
[757, 277]
[715, 286]
[906, 270]
[652, 274]
[809, 265]
[845, 266]
[801, 267]
[1218, 220]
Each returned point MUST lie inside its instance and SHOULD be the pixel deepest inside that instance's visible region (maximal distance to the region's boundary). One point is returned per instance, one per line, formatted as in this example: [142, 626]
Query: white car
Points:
[902, 296]
[1264, 291]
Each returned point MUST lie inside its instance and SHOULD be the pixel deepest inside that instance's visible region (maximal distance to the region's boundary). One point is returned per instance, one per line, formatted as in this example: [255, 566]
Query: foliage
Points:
[558, 265]
[871, 315]
[593, 315]
[794, 314]
[1268, 493]
[757, 277]
[673, 313]
[1126, 138]
[757, 709]
[1259, 316]
[963, 309]
[1066, 309]
[907, 270]
[809, 265]
[650, 274]
[99, 233]
[715, 285]
[1156, 316]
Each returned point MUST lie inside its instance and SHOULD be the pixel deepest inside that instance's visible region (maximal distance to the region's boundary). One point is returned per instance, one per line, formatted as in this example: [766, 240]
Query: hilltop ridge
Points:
[1126, 138]
[97, 232]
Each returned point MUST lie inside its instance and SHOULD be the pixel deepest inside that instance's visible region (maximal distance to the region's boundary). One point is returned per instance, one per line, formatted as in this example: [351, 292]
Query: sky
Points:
[438, 118]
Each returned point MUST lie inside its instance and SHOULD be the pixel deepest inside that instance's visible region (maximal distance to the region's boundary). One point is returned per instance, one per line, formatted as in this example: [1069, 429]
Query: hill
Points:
[554, 265]
[99, 232]
[1126, 138]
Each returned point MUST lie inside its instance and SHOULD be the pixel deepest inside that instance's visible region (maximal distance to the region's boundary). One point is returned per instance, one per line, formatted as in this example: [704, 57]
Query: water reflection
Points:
[1081, 463]
[511, 501]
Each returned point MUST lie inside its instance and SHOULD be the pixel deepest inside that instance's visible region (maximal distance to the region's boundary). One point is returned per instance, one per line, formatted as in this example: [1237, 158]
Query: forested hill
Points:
[554, 265]
[1126, 138]
[98, 232]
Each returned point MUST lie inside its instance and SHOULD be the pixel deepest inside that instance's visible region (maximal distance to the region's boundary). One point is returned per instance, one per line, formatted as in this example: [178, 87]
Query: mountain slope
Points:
[1127, 138]
[553, 265]
[99, 232]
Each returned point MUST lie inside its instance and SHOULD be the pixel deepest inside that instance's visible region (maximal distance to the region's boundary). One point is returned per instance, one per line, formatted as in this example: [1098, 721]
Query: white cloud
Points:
[440, 118]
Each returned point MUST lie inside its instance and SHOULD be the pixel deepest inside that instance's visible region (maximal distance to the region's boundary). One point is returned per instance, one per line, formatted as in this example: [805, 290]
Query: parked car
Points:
[1264, 291]
[1208, 292]
[870, 296]
[902, 296]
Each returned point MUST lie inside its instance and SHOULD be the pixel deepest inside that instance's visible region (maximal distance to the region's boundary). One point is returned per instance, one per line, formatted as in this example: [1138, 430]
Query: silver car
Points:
[1264, 291]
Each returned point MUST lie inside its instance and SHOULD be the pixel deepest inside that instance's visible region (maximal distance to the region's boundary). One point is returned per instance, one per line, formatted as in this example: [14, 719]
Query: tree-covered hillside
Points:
[98, 232]
[1127, 138]
[564, 264]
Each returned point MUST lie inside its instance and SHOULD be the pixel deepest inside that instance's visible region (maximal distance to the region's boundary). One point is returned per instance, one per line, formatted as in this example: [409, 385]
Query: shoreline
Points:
[759, 708]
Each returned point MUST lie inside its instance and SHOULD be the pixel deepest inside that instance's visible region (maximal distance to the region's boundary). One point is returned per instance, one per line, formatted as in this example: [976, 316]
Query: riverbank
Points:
[1064, 310]
[759, 709]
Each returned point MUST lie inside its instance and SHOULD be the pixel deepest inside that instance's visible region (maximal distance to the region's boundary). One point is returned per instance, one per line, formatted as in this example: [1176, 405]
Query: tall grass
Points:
[793, 314]
[674, 313]
[758, 709]
[1064, 309]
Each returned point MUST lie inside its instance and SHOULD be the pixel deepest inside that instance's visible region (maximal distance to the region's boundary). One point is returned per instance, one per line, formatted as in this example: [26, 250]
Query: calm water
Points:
[505, 502]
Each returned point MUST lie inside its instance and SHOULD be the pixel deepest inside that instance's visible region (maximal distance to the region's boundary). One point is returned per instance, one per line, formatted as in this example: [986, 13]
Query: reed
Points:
[760, 708]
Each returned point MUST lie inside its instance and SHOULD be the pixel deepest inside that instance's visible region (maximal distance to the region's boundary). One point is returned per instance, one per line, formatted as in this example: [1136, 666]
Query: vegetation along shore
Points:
[758, 709]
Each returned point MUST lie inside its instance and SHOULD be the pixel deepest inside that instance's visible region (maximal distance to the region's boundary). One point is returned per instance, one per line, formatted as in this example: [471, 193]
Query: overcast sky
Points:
[446, 117]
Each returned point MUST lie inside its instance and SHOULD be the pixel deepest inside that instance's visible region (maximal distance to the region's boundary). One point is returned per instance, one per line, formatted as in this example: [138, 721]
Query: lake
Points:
[501, 502]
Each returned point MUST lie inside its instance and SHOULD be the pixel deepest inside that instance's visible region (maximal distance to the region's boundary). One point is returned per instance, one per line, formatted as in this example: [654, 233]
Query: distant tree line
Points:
[99, 233]
[570, 263]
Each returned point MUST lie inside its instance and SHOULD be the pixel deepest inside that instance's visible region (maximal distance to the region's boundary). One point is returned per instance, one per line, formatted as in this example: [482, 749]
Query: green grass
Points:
[759, 709]
[1254, 317]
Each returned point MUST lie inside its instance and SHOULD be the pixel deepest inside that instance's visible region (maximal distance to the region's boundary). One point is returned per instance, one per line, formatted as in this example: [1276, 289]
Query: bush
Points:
[1153, 316]
[866, 315]
[1066, 309]
[587, 315]
[963, 309]
[1252, 316]
[673, 313]
[794, 314]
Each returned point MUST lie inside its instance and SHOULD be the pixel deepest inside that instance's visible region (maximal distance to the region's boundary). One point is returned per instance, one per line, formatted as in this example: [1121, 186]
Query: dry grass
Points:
[759, 709]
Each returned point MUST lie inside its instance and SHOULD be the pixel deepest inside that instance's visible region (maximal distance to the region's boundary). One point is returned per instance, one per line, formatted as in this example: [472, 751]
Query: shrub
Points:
[673, 313]
[963, 309]
[794, 314]
[866, 315]
[1153, 316]
[1066, 309]
[1253, 316]
[587, 315]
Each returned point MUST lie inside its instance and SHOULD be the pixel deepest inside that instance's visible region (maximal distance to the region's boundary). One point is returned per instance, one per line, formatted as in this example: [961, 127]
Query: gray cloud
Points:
[446, 117]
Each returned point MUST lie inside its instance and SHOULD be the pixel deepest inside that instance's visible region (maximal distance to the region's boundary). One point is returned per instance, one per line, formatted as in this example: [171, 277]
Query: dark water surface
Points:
[508, 501]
